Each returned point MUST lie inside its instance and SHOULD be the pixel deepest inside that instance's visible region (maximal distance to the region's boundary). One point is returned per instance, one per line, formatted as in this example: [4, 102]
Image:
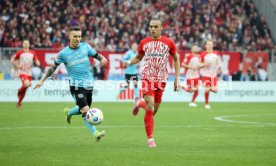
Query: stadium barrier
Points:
[106, 91]
[231, 62]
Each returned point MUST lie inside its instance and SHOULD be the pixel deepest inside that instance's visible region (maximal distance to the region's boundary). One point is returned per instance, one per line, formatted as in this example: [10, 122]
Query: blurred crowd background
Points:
[115, 24]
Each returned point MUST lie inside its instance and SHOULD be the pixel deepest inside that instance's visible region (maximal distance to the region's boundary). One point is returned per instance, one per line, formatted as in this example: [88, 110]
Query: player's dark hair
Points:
[75, 28]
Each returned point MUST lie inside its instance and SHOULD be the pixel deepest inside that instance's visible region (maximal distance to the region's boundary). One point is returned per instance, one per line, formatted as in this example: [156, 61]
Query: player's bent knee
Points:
[193, 89]
[27, 84]
[207, 90]
[84, 109]
[150, 106]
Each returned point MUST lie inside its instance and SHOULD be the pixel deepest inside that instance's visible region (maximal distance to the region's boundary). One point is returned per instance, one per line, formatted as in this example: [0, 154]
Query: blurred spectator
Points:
[58, 45]
[252, 76]
[236, 76]
[261, 74]
[111, 46]
[2, 33]
[249, 76]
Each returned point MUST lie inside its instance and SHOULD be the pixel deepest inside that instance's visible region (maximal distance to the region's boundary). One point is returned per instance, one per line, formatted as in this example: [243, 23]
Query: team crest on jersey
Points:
[80, 95]
[147, 89]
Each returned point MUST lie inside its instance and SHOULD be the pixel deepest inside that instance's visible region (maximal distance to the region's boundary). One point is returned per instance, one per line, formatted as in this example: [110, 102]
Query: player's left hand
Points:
[103, 62]
[38, 85]
[177, 85]
[127, 63]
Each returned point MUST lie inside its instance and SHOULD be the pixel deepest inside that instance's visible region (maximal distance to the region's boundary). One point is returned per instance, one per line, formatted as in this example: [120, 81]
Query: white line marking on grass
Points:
[134, 126]
[225, 119]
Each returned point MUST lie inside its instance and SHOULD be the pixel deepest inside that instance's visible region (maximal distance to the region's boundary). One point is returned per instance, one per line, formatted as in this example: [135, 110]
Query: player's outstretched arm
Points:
[50, 71]
[133, 61]
[177, 86]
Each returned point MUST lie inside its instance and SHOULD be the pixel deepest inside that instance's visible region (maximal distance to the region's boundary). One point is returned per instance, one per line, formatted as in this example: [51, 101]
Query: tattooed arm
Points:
[101, 58]
[50, 71]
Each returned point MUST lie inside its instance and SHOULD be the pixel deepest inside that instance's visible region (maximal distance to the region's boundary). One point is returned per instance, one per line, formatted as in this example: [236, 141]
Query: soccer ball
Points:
[94, 116]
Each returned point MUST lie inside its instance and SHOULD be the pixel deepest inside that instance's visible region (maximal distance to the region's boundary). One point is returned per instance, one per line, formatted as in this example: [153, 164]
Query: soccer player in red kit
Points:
[23, 61]
[211, 65]
[155, 52]
[192, 64]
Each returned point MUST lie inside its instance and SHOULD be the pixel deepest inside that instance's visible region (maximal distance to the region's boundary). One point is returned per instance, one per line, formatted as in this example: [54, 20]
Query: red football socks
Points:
[21, 93]
[206, 94]
[194, 96]
[149, 123]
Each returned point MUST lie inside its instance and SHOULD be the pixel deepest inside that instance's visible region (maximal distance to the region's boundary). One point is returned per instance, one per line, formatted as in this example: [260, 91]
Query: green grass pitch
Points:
[38, 134]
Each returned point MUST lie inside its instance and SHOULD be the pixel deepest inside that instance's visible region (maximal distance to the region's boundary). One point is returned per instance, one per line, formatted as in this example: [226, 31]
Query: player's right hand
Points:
[103, 62]
[177, 86]
[17, 67]
[38, 85]
[125, 64]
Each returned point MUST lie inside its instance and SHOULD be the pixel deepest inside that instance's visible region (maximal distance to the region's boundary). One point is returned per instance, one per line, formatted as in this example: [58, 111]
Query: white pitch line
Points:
[138, 126]
[224, 119]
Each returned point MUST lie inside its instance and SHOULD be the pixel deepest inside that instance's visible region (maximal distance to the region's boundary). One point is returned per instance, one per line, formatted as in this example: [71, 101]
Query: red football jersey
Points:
[193, 61]
[212, 59]
[26, 60]
[156, 54]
